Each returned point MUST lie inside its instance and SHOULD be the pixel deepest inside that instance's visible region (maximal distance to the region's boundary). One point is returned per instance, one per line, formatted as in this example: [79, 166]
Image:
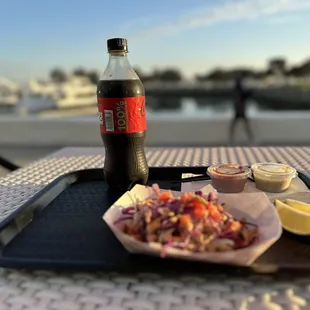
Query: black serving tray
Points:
[61, 227]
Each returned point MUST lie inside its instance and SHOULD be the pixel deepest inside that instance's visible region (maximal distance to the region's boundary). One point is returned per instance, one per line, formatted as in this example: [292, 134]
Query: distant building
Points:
[277, 66]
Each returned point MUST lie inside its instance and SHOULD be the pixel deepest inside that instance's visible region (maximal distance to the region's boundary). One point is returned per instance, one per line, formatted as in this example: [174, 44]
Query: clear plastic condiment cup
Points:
[229, 178]
[273, 177]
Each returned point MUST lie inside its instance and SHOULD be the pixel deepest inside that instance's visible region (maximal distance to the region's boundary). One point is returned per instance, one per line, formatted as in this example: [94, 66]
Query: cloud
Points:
[226, 11]
[284, 19]
[145, 21]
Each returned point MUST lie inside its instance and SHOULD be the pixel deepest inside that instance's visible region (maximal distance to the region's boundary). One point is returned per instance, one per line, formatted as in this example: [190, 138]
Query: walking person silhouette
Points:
[241, 97]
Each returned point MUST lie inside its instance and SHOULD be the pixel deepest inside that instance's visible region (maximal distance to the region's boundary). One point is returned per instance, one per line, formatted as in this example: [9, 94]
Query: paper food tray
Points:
[254, 207]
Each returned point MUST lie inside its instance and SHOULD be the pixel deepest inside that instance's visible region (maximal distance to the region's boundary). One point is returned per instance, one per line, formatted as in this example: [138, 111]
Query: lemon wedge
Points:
[293, 220]
[302, 206]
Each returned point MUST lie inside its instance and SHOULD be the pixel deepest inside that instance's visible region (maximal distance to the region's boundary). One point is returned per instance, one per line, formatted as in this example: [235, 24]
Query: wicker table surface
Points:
[20, 290]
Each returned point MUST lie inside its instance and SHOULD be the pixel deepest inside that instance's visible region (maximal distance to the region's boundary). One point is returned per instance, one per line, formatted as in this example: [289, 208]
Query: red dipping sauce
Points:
[229, 178]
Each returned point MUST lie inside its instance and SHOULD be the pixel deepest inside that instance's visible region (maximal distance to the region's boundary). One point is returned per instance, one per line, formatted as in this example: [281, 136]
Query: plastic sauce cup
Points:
[229, 178]
[273, 177]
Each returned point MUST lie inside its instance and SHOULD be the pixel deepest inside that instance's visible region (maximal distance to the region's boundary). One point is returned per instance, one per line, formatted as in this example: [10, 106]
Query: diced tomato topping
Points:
[220, 208]
[186, 196]
[165, 196]
[198, 209]
[209, 205]
[215, 214]
[185, 219]
[234, 226]
[196, 203]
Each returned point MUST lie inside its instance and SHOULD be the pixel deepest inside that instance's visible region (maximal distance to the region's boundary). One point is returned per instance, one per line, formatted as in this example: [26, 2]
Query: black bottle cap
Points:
[117, 44]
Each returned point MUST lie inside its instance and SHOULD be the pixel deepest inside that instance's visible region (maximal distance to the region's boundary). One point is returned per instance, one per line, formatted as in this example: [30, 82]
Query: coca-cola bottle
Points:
[122, 114]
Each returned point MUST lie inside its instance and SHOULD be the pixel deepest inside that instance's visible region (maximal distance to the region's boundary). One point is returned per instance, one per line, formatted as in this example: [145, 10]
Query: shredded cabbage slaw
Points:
[191, 222]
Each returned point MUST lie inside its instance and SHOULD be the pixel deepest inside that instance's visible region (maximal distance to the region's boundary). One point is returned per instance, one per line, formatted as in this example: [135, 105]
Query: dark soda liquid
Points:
[125, 162]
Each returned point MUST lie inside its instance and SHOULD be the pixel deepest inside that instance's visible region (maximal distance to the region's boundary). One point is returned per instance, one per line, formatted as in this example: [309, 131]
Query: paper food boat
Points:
[254, 207]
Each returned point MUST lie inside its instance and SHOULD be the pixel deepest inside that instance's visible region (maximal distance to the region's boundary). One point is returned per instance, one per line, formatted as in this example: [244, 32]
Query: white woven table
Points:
[34, 290]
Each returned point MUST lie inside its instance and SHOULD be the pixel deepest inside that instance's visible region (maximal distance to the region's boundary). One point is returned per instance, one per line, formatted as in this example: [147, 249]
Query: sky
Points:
[192, 35]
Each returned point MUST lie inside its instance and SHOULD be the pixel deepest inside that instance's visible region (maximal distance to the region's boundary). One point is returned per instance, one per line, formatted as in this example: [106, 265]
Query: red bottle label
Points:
[122, 115]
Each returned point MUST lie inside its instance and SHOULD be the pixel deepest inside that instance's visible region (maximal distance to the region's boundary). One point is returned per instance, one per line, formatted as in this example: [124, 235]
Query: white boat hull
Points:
[10, 100]
[76, 102]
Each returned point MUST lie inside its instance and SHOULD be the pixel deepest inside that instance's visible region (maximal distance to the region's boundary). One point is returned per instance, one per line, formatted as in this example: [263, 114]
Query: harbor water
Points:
[188, 108]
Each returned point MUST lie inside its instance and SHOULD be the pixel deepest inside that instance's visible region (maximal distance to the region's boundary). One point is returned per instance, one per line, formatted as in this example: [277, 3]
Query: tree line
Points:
[58, 75]
[222, 74]
[174, 75]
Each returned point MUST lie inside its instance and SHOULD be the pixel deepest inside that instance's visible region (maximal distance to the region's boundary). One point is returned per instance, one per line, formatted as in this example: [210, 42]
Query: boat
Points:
[10, 94]
[75, 92]
[42, 88]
